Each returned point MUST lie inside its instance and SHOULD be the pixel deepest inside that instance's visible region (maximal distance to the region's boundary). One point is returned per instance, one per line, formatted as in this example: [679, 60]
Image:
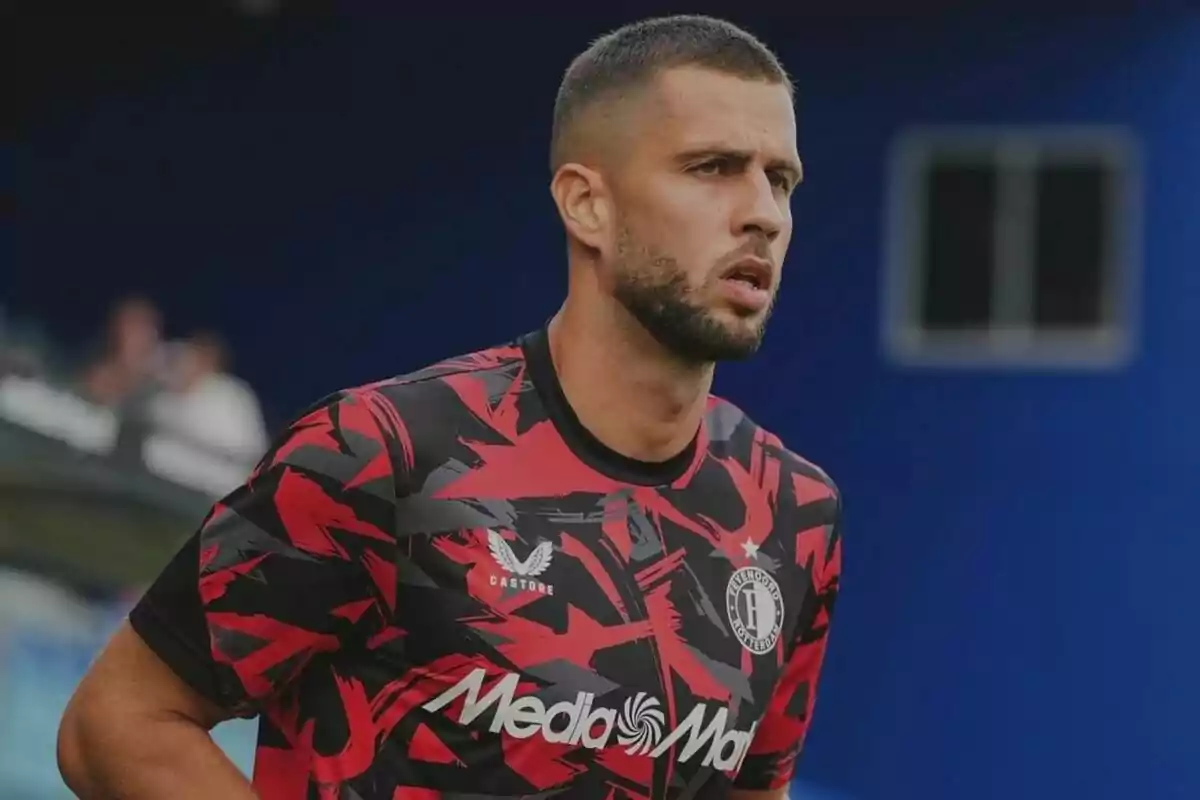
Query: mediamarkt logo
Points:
[639, 726]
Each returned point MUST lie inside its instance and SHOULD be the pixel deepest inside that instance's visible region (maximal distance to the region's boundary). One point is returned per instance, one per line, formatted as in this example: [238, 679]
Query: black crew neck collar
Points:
[589, 449]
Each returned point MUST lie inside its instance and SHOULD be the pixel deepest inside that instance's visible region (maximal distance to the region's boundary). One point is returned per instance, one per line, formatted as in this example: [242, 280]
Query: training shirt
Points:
[443, 585]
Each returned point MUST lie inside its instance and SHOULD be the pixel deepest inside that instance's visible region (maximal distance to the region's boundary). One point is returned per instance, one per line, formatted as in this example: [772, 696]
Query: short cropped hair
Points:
[635, 54]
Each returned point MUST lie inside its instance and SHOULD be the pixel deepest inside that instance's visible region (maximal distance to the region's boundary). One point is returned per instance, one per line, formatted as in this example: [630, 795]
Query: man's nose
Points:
[761, 213]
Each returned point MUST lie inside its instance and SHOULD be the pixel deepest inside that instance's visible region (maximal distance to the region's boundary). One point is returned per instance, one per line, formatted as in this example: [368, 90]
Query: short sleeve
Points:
[779, 737]
[296, 562]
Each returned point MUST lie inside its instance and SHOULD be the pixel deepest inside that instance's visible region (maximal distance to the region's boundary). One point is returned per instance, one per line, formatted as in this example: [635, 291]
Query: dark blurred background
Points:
[212, 215]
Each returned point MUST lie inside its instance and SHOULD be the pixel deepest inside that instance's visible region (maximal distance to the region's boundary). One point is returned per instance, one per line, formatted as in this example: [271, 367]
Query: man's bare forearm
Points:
[148, 760]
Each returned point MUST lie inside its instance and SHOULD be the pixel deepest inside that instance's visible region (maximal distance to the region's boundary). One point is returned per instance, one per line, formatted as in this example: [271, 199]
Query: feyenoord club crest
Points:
[755, 607]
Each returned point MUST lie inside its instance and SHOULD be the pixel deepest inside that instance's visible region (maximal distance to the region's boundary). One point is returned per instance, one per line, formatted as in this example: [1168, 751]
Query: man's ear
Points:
[584, 204]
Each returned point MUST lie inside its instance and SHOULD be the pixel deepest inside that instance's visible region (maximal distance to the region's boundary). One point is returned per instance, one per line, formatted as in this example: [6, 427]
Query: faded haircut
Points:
[632, 56]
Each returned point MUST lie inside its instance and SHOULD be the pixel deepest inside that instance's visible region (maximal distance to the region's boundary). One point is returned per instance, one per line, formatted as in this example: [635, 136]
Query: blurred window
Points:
[1012, 247]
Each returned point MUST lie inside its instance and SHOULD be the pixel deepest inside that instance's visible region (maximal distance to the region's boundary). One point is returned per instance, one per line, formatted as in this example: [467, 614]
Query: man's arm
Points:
[771, 759]
[132, 708]
[291, 564]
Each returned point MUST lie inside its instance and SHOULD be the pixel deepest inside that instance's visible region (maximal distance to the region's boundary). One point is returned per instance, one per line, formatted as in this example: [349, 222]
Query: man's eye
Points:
[709, 168]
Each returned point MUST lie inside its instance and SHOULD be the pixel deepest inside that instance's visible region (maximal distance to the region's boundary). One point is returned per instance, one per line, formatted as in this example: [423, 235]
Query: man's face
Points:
[703, 214]
[135, 335]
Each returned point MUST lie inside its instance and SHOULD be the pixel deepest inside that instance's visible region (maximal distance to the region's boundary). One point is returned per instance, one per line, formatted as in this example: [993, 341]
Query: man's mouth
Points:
[753, 272]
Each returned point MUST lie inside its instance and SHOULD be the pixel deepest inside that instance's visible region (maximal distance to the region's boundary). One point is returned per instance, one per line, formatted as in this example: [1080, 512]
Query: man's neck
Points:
[624, 387]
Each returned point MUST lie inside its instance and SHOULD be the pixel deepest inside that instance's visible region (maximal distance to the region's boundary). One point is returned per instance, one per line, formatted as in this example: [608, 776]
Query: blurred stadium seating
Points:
[85, 520]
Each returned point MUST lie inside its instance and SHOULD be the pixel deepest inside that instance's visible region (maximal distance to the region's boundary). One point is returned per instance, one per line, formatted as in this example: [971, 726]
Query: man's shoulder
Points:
[499, 358]
[726, 422]
[399, 415]
[423, 382]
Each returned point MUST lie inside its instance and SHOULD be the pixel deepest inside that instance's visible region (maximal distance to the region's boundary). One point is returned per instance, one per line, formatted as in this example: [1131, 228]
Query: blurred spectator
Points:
[19, 360]
[20, 348]
[126, 370]
[205, 404]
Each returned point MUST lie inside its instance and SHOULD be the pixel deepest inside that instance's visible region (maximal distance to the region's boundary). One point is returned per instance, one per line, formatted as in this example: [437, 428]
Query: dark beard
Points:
[690, 333]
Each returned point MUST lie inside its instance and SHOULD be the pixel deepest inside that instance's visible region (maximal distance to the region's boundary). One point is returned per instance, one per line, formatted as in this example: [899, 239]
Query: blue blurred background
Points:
[347, 191]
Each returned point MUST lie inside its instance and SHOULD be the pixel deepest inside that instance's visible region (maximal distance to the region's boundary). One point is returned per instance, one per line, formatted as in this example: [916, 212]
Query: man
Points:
[205, 404]
[129, 366]
[556, 567]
